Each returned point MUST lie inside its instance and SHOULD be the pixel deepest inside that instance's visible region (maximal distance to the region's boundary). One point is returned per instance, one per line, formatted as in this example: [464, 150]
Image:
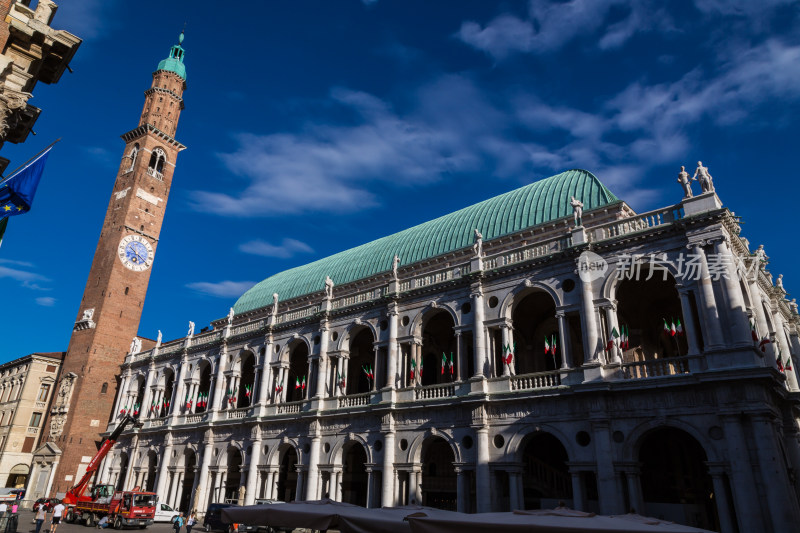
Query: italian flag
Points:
[788, 365]
[451, 363]
[341, 380]
[297, 383]
[679, 327]
[368, 371]
[753, 331]
[546, 345]
[248, 390]
[444, 362]
[625, 342]
[303, 384]
[613, 339]
[511, 349]
[413, 369]
[279, 387]
[188, 401]
[420, 368]
[669, 330]
[779, 362]
[553, 345]
[763, 344]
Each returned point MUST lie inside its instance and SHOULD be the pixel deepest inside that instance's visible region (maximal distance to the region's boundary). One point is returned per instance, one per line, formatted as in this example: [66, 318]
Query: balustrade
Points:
[668, 366]
[435, 391]
[539, 380]
[355, 400]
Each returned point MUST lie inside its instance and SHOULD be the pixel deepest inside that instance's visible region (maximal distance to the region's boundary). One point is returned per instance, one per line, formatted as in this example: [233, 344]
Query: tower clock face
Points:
[135, 252]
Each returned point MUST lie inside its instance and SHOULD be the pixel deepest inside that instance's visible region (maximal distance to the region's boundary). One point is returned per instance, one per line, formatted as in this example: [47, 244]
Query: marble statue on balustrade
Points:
[395, 264]
[478, 246]
[686, 182]
[779, 283]
[230, 316]
[136, 345]
[274, 303]
[702, 175]
[577, 211]
[158, 339]
[793, 306]
[328, 287]
[191, 329]
[761, 256]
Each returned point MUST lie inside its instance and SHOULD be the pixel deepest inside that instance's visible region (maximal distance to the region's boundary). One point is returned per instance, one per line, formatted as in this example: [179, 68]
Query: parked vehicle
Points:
[7, 494]
[165, 513]
[243, 528]
[213, 519]
[48, 503]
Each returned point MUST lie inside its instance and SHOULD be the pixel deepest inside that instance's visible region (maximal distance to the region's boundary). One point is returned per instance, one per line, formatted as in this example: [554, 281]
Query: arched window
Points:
[134, 153]
[156, 165]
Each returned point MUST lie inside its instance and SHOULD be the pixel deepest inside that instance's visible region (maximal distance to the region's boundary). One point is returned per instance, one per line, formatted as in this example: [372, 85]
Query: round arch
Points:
[426, 313]
[523, 289]
[517, 441]
[337, 450]
[355, 327]
[417, 445]
[634, 439]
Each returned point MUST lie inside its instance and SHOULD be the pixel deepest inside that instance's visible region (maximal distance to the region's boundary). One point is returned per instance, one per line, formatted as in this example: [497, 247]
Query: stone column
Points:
[607, 482]
[173, 488]
[219, 384]
[688, 320]
[633, 479]
[322, 378]
[370, 491]
[123, 392]
[376, 349]
[739, 334]
[515, 498]
[268, 485]
[478, 332]
[726, 522]
[578, 492]
[613, 324]
[458, 357]
[566, 352]
[387, 497]
[300, 488]
[462, 490]
[162, 470]
[743, 483]
[131, 461]
[178, 389]
[338, 486]
[203, 488]
[412, 488]
[252, 468]
[266, 372]
[148, 392]
[313, 462]
[392, 373]
[708, 305]
[504, 330]
[482, 470]
[782, 505]
[590, 323]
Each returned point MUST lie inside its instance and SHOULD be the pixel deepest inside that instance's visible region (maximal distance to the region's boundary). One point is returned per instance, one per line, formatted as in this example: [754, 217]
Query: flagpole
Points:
[46, 148]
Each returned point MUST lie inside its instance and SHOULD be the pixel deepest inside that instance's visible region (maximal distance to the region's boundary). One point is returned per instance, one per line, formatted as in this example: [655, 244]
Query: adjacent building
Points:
[547, 344]
[32, 51]
[26, 390]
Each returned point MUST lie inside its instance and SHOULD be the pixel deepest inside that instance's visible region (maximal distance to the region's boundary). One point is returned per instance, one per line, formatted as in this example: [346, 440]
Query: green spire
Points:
[174, 63]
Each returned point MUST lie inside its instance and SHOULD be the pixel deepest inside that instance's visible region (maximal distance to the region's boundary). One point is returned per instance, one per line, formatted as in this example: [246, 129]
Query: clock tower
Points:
[109, 313]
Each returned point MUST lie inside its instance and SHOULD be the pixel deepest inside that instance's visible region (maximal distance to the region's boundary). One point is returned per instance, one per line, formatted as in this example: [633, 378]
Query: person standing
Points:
[3, 509]
[58, 511]
[41, 516]
[190, 522]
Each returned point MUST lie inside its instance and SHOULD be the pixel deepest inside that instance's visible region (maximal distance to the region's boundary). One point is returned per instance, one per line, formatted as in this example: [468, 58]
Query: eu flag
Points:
[17, 191]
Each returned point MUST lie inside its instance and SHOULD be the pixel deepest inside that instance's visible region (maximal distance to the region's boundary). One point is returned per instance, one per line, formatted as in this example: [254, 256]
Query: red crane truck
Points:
[123, 508]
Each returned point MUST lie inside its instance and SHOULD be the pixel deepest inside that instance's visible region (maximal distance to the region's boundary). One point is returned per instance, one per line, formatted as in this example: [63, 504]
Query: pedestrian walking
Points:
[191, 521]
[3, 509]
[14, 508]
[177, 524]
[41, 516]
[58, 511]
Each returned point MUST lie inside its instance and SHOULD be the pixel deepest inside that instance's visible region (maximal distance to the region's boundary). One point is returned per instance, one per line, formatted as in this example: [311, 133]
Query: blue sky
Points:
[315, 126]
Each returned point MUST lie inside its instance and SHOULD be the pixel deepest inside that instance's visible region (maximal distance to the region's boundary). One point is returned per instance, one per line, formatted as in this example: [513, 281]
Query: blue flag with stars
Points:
[17, 191]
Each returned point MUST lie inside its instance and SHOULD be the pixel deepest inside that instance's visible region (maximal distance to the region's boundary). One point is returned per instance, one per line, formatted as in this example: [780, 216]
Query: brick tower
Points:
[109, 313]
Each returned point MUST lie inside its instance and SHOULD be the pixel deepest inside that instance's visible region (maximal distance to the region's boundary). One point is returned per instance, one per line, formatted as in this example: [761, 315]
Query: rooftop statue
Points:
[702, 175]
[577, 211]
[686, 182]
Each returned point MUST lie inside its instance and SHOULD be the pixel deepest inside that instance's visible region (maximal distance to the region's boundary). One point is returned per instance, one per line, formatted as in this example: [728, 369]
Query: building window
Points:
[36, 419]
[50, 368]
[104, 388]
[44, 392]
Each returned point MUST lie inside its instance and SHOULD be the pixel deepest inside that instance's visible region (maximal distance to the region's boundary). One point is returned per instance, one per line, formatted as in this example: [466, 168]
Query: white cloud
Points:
[222, 289]
[327, 168]
[551, 25]
[46, 301]
[286, 249]
[20, 275]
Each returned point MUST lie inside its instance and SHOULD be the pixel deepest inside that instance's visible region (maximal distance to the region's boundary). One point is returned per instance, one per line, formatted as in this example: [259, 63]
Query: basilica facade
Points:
[549, 344]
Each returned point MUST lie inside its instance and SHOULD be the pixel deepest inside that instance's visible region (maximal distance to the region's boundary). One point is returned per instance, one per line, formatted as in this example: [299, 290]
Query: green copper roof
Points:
[174, 63]
[531, 205]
